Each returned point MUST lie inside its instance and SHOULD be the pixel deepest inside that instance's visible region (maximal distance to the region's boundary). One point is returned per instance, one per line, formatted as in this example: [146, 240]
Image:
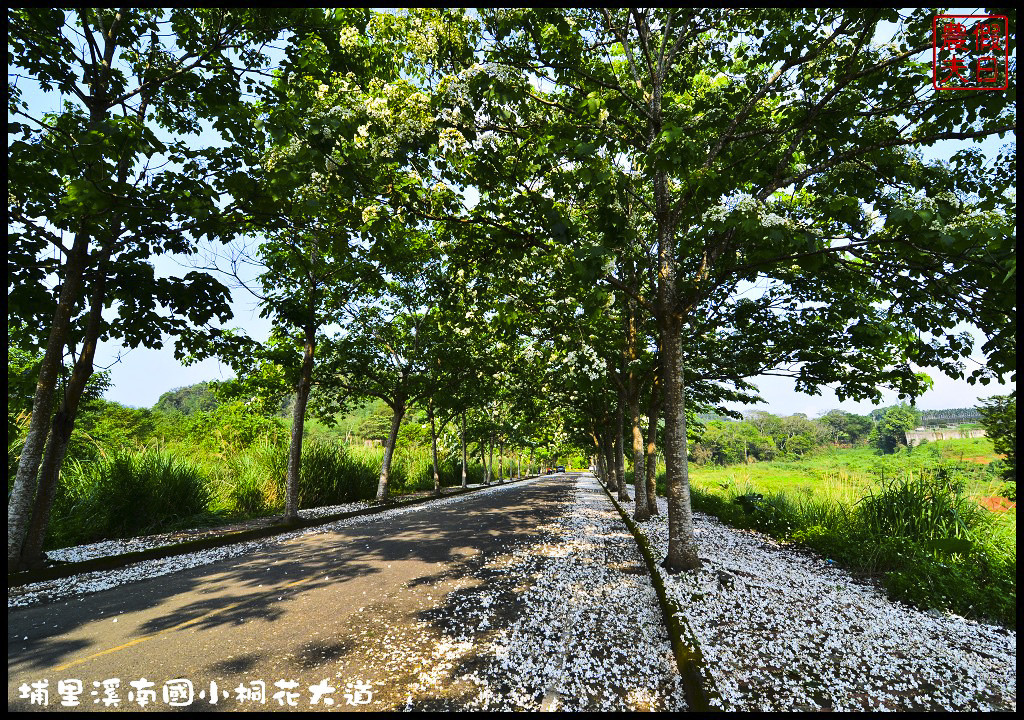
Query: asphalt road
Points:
[355, 610]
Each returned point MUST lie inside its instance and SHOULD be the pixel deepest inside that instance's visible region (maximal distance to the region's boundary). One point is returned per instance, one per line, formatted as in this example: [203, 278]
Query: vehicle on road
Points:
[560, 468]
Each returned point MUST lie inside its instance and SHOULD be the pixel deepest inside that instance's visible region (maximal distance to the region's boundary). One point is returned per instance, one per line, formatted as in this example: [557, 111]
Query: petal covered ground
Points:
[782, 629]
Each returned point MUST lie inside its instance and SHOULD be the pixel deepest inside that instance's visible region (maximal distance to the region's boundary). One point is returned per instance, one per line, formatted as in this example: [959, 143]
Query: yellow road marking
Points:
[179, 626]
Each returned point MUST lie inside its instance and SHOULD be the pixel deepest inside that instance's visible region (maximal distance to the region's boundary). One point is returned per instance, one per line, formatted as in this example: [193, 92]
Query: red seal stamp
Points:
[970, 52]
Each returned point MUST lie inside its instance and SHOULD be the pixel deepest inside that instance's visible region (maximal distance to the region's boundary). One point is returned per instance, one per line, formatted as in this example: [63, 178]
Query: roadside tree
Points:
[790, 161]
[999, 418]
[105, 182]
[891, 431]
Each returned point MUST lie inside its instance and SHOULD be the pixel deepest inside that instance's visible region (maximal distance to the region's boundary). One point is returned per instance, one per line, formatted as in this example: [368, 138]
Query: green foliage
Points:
[331, 475]
[345, 167]
[928, 507]
[421, 474]
[999, 418]
[251, 483]
[231, 427]
[22, 374]
[97, 429]
[188, 400]
[376, 426]
[1009, 491]
[974, 585]
[765, 437]
[109, 426]
[105, 172]
[890, 432]
[130, 493]
[913, 519]
[97, 175]
[847, 427]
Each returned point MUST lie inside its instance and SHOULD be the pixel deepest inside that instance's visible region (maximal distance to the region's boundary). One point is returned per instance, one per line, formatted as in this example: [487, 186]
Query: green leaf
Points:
[950, 545]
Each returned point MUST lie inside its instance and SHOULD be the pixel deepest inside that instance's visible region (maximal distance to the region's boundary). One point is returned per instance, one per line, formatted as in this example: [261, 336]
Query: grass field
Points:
[928, 522]
[846, 474]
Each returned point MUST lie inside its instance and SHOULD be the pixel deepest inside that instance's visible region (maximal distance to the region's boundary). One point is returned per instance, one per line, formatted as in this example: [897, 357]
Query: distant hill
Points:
[187, 400]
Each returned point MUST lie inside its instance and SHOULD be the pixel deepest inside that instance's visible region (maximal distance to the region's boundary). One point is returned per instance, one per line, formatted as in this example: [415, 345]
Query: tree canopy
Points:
[563, 226]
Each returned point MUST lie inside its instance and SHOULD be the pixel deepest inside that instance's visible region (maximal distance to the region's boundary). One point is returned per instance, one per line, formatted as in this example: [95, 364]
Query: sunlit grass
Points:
[168, 487]
[916, 519]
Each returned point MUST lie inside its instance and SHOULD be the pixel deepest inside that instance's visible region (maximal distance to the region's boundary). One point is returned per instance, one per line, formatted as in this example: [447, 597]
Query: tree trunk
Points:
[682, 546]
[609, 461]
[291, 495]
[483, 461]
[433, 448]
[651, 459]
[529, 464]
[620, 454]
[490, 460]
[682, 549]
[389, 450]
[642, 509]
[463, 448]
[501, 467]
[23, 493]
[598, 461]
[32, 555]
[519, 464]
[60, 433]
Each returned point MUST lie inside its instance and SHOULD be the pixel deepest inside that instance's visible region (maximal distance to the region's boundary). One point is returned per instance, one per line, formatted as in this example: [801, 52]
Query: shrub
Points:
[1009, 490]
[999, 418]
[255, 479]
[971, 586]
[890, 432]
[231, 427]
[829, 541]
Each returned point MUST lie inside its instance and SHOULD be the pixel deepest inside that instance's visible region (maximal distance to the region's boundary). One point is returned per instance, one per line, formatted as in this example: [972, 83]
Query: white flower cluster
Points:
[716, 214]
[377, 107]
[583, 360]
[370, 213]
[774, 220]
[742, 202]
[451, 140]
[348, 37]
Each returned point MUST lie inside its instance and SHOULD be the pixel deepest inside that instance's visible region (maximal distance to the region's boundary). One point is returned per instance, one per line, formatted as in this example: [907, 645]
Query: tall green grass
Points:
[412, 469]
[127, 494]
[331, 475]
[926, 508]
[252, 482]
[449, 474]
[160, 489]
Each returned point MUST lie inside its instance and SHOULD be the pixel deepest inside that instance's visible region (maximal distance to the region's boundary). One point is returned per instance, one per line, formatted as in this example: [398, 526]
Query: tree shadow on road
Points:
[258, 586]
